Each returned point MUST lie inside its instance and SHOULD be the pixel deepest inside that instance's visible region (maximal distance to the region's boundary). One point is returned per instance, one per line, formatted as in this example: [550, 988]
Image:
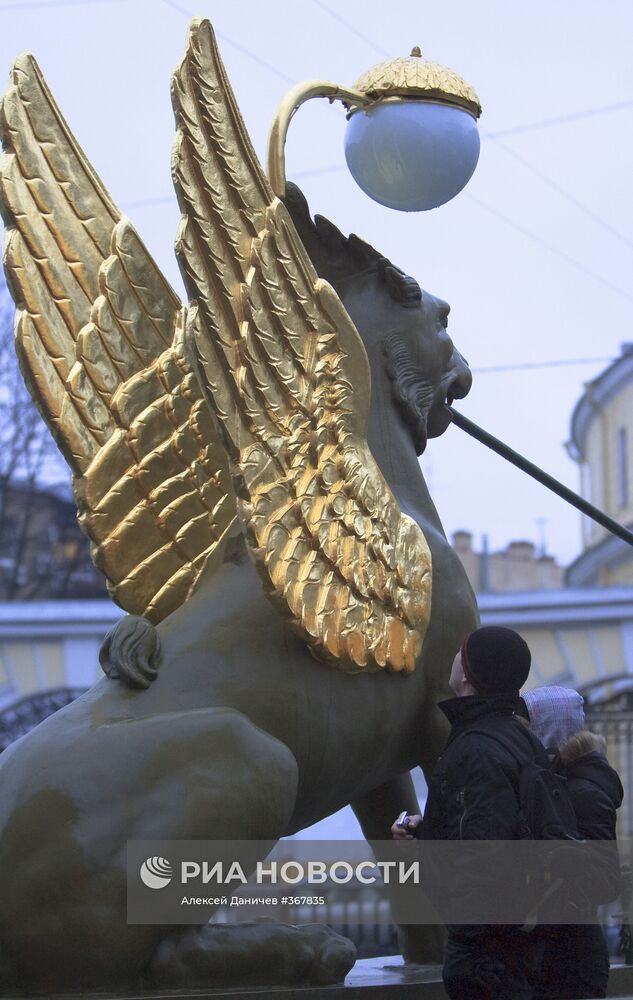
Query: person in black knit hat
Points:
[495, 660]
[472, 796]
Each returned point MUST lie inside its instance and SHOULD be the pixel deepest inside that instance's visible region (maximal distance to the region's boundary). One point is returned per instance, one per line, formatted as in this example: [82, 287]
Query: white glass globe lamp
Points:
[416, 145]
[412, 141]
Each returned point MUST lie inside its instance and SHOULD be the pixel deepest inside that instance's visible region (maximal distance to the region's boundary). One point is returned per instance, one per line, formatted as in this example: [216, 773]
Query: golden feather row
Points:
[287, 375]
[99, 335]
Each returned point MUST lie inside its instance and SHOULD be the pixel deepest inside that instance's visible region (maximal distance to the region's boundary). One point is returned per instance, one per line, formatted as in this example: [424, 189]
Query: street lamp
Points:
[412, 141]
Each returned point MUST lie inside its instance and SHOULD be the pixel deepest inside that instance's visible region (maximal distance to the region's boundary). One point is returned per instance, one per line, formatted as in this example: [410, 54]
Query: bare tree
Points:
[41, 546]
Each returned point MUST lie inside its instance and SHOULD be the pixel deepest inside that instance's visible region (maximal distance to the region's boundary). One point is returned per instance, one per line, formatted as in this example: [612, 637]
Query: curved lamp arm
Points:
[276, 166]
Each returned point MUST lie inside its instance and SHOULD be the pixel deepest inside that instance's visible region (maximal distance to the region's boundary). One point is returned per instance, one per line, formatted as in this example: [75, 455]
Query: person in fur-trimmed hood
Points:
[576, 960]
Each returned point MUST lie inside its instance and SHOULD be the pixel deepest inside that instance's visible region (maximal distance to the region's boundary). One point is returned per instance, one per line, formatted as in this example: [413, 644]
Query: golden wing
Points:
[99, 335]
[288, 377]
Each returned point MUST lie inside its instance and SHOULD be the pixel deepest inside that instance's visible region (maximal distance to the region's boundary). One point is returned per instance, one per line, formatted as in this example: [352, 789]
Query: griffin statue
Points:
[294, 604]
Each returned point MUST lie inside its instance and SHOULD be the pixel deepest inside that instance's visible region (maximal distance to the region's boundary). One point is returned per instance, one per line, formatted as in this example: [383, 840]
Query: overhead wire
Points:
[235, 45]
[560, 190]
[535, 238]
[495, 136]
[527, 233]
[523, 230]
[572, 116]
[352, 27]
[545, 178]
[526, 365]
[45, 4]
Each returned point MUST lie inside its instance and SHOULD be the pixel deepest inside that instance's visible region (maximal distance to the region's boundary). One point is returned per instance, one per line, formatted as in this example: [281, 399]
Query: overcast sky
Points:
[535, 256]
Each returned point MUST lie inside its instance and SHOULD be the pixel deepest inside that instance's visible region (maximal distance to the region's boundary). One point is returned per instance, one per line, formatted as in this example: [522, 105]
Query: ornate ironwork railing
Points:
[19, 718]
[609, 712]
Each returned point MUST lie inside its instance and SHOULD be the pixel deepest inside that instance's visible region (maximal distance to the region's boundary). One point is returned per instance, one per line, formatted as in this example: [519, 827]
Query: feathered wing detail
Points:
[100, 337]
[288, 377]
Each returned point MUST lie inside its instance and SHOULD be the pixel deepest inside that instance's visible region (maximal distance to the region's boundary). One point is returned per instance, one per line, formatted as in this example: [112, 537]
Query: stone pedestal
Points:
[370, 979]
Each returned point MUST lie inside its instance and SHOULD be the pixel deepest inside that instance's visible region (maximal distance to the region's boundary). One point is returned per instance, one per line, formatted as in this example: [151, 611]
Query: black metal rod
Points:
[542, 477]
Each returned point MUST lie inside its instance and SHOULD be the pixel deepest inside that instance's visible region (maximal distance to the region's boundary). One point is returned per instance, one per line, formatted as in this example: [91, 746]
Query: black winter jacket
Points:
[575, 961]
[596, 793]
[473, 789]
[473, 796]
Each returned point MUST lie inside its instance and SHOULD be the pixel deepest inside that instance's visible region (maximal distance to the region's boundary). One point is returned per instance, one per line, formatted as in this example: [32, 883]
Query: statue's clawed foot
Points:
[251, 954]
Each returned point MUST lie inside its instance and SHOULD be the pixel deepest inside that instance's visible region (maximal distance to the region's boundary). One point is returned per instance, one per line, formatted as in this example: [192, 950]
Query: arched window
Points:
[623, 468]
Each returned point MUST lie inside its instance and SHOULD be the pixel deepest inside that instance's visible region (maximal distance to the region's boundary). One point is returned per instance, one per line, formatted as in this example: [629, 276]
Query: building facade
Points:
[517, 567]
[49, 653]
[43, 552]
[602, 444]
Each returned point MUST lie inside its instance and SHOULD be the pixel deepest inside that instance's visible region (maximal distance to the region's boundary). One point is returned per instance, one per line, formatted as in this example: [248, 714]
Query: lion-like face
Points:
[402, 327]
[426, 369]
[404, 331]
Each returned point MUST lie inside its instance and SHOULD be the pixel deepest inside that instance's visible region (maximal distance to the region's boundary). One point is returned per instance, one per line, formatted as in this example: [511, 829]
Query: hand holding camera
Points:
[405, 825]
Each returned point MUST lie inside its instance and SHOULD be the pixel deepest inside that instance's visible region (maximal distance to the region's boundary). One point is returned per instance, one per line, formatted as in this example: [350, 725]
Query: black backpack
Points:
[551, 884]
[545, 807]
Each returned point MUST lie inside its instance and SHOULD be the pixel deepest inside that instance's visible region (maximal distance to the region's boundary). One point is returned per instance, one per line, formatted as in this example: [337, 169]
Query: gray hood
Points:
[556, 713]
